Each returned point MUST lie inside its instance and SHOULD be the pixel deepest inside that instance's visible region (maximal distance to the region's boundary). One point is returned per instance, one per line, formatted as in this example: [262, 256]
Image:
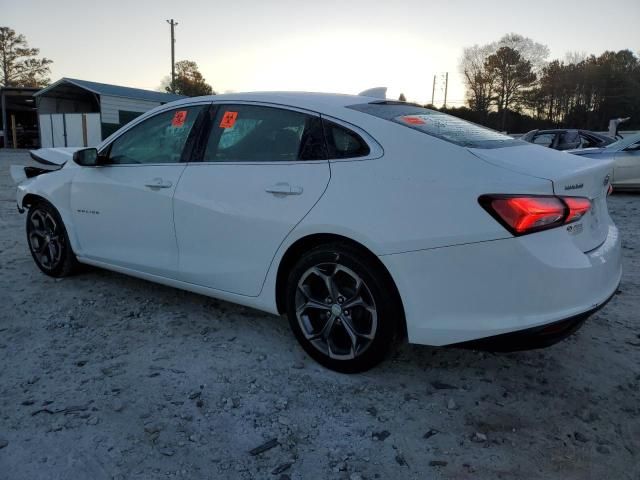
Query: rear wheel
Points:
[48, 241]
[342, 308]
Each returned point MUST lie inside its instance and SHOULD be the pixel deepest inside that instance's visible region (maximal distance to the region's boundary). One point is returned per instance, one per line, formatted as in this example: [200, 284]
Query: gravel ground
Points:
[103, 376]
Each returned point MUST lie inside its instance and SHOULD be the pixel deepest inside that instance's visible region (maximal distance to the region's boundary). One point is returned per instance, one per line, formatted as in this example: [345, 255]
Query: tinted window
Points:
[343, 143]
[249, 133]
[544, 139]
[568, 140]
[159, 139]
[440, 125]
[587, 141]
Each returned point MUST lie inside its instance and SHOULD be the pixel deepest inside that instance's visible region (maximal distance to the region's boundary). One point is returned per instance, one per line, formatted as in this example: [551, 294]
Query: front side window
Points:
[159, 139]
[253, 133]
[588, 142]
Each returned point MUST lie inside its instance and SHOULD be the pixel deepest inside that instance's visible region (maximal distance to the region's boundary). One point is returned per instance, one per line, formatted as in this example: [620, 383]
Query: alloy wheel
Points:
[336, 311]
[45, 239]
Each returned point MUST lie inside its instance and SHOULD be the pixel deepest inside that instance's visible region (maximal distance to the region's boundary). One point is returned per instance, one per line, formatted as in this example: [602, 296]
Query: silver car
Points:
[567, 139]
[626, 156]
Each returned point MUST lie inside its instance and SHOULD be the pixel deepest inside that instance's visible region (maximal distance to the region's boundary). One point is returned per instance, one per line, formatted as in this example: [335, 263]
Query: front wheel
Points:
[342, 308]
[48, 241]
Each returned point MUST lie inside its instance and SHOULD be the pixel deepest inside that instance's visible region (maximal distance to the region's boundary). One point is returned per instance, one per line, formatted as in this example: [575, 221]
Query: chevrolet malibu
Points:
[363, 220]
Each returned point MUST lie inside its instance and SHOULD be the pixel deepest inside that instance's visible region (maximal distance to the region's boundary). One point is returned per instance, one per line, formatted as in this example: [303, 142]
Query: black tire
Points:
[48, 241]
[308, 320]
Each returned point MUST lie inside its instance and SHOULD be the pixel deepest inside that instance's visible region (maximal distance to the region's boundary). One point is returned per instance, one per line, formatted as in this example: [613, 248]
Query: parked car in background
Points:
[360, 218]
[564, 139]
[625, 154]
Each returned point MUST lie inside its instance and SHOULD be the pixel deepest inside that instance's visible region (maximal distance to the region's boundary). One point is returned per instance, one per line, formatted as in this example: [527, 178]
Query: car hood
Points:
[54, 156]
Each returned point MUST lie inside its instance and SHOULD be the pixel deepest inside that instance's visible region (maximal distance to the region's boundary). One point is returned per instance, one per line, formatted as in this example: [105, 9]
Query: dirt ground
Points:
[103, 376]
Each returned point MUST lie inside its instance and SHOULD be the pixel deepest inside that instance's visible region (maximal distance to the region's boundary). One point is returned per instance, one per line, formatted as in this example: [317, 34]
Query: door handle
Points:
[159, 183]
[283, 188]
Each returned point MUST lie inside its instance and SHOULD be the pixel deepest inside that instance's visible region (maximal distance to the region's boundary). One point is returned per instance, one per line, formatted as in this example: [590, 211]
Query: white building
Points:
[76, 113]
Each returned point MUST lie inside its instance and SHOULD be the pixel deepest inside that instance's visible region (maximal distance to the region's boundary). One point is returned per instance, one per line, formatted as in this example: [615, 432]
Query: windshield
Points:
[440, 125]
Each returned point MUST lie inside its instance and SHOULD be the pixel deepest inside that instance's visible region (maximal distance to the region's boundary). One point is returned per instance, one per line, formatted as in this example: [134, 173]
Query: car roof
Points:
[320, 102]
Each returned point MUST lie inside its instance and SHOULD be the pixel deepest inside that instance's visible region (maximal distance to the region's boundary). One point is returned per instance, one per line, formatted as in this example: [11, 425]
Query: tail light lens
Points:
[523, 214]
[578, 206]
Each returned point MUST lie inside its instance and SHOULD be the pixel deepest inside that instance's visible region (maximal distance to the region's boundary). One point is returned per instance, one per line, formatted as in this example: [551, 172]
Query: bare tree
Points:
[533, 52]
[19, 66]
[575, 57]
[477, 79]
[402, 98]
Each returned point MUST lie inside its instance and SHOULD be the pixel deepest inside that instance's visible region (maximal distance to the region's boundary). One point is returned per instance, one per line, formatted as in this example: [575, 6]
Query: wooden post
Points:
[13, 131]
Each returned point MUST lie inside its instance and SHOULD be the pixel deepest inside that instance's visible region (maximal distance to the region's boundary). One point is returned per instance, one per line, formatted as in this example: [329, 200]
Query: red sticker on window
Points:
[414, 120]
[179, 118]
[228, 119]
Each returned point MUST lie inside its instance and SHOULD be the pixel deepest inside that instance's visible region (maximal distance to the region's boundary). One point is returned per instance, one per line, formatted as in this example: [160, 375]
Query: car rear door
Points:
[122, 209]
[263, 168]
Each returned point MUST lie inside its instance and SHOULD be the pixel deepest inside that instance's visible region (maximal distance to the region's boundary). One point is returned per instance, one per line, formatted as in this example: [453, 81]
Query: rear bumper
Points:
[531, 338]
[462, 293]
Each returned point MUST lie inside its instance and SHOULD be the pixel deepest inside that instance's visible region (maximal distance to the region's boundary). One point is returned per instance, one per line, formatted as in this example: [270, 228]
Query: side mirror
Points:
[87, 157]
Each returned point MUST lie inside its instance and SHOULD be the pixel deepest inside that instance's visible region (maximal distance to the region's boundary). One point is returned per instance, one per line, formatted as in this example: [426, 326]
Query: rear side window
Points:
[252, 133]
[440, 125]
[343, 143]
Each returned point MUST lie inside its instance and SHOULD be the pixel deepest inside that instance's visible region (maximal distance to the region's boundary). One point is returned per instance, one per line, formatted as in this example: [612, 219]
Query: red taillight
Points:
[522, 214]
[578, 206]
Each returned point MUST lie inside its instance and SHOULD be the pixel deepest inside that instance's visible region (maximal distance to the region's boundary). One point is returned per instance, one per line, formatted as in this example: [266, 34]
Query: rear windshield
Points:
[440, 125]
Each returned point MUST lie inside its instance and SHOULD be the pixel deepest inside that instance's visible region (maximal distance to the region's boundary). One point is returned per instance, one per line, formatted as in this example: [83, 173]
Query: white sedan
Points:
[364, 220]
[625, 154]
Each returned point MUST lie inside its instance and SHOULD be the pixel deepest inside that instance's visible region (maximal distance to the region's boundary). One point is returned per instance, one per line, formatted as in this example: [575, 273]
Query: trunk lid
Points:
[571, 176]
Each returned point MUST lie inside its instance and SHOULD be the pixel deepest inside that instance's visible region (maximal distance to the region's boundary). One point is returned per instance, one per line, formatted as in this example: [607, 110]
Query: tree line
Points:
[511, 86]
[509, 83]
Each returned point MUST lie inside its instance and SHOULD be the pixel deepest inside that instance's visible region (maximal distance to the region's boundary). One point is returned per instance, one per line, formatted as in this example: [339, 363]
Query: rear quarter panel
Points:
[421, 194]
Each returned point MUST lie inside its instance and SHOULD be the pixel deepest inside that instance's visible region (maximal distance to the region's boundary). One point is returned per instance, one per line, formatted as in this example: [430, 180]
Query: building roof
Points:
[113, 90]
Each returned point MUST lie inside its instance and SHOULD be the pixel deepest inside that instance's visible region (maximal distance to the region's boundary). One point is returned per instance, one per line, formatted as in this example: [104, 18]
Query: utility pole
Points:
[446, 87]
[433, 89]
[173, 55]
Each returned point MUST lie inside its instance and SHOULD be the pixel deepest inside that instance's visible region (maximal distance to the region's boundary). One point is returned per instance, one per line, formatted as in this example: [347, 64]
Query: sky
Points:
[341, 46]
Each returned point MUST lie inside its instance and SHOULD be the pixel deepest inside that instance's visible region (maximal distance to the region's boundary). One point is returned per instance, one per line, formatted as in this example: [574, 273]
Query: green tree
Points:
[512, 76]
[189, 81]
[19, 65]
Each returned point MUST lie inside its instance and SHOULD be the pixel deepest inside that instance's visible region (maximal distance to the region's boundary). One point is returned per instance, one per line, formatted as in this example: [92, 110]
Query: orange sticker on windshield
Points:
[414, 120]
[228, 119]
[179, 118]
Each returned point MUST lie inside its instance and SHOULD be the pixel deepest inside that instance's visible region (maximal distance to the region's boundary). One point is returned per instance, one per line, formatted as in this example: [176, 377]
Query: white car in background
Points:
[364, 220]
[625, 154]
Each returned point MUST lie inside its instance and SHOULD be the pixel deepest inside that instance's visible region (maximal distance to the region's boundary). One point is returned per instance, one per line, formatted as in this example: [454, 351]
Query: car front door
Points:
[627, 166]
[263, 168]
[122, 209]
